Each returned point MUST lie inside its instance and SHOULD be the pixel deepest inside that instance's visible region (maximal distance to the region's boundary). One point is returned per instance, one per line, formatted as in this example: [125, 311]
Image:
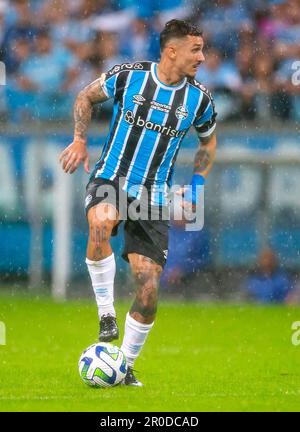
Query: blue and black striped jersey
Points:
[149, 122]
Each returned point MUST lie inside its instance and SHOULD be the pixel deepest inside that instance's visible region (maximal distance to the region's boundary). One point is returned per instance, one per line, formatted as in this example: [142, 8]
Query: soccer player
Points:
[154, 106]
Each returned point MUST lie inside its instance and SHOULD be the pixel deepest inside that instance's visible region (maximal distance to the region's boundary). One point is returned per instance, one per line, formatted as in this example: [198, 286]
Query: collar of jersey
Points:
[163, 85]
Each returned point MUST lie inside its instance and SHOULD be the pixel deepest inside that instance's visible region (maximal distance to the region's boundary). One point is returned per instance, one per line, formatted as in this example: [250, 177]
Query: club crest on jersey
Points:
[181, 112]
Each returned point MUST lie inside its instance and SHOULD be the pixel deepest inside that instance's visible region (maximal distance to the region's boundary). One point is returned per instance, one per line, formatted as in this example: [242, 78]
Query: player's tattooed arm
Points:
[89, 96]
[76, 152]
[203, 162]
[205, 155]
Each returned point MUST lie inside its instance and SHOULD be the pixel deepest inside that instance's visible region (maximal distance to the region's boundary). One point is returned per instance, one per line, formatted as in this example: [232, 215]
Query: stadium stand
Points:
[81, 38]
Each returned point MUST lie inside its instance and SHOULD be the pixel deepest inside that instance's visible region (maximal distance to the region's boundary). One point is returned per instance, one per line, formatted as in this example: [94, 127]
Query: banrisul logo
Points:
[181, 112]
[140, 122]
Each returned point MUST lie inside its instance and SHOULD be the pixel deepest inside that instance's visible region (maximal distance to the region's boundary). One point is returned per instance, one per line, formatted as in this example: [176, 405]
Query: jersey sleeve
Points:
[111, 82]
[205, 121]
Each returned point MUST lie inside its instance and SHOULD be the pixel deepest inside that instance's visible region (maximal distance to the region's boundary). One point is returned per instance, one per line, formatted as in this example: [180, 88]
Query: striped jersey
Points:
[149, 122]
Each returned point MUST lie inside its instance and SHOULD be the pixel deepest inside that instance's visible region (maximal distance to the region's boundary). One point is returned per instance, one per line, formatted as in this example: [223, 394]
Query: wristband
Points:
[191, 193]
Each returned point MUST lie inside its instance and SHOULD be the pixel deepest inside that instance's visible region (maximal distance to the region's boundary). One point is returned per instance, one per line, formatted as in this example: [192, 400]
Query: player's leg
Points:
[146, 247]
[146, 244]
[146, 273]
[100, 260]
[102, 218]
[140, 318]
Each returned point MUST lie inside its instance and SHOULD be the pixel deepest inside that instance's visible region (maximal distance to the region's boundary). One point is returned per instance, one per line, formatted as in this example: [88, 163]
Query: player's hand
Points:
[185, 204]
[73, 155]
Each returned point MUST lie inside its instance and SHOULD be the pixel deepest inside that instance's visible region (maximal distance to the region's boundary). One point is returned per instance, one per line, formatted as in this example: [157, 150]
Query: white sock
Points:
[134, 338]
[102, 275]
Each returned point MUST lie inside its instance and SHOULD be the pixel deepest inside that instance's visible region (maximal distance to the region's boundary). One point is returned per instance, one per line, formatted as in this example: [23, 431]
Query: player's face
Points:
[189, 55]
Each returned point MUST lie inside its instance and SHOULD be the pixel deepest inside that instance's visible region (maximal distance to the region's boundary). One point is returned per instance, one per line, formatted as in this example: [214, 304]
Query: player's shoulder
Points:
[201, 88]
[135, 67]
[205, 97]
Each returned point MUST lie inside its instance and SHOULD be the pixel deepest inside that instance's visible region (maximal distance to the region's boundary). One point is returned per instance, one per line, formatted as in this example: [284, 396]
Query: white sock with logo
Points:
[102, 275]
[134, 338]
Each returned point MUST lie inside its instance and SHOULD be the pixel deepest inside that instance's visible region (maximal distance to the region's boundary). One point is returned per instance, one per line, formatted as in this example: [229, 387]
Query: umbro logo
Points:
[138, 99]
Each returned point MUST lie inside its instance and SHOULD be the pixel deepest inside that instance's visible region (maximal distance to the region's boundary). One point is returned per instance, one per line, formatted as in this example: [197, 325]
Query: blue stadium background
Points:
[51, 49]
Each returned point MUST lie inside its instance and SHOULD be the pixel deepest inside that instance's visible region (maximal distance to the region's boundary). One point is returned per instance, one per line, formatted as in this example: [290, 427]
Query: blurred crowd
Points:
[53, 48]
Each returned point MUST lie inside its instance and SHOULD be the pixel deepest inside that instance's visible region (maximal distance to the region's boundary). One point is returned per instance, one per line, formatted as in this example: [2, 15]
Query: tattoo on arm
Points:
[82, 117]
[202, 160]
[205, 155]
[89, 96]
[94, 91]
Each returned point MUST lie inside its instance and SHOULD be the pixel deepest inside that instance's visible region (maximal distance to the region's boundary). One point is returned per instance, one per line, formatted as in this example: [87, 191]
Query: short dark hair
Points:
[177, 29]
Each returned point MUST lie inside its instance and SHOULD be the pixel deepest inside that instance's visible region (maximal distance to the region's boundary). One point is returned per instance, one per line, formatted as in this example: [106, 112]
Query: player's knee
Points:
[103, 214]
[145, 270]
[100, 231]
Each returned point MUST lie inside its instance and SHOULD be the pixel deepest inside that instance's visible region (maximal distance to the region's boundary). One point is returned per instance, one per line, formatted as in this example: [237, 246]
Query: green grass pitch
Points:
[211, 357]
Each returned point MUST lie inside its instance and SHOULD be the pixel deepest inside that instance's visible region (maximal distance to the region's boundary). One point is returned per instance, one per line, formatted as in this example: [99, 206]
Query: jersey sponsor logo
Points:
[140, 122]
[138, 99]
[200, 86]
[203, 88]
[181, 112]
[159, 106]
[138, 66]
[126, 66]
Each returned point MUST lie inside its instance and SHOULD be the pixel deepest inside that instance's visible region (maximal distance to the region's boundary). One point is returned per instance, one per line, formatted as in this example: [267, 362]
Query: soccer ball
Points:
[102, 365]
